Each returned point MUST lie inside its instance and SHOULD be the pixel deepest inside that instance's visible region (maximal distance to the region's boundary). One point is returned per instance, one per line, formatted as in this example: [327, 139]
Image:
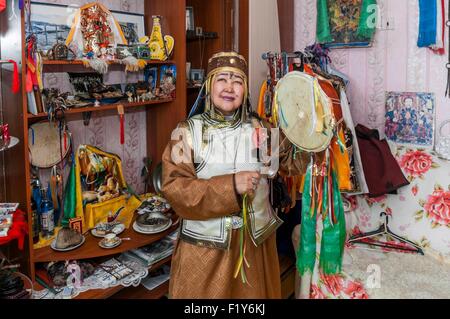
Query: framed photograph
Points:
[410, 118]
[132, 24]
[52, 22]
[151, 76]
[190, 19]
[197, 75]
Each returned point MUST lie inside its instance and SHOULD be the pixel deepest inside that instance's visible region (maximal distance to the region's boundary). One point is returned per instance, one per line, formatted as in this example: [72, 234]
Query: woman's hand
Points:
[246, 182]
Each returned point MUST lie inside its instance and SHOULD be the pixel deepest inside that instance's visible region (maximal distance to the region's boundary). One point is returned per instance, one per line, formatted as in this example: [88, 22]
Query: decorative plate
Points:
[53, 245]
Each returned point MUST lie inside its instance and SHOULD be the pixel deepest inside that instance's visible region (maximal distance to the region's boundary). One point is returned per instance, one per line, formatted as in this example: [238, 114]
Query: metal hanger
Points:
[384, 230]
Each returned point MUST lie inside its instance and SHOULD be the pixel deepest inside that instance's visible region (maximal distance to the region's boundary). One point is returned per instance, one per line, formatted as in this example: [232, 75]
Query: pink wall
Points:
[393, 63]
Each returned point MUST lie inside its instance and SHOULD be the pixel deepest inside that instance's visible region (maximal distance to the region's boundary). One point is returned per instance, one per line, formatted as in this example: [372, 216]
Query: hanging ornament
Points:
[95, 31]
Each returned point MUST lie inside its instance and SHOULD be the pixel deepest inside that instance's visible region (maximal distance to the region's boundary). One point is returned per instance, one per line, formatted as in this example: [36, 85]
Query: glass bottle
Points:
[36, 224]
[47, 215]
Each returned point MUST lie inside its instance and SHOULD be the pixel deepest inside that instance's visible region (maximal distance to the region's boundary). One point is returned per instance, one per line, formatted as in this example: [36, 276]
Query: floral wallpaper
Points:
[103, 129]
[421, 211]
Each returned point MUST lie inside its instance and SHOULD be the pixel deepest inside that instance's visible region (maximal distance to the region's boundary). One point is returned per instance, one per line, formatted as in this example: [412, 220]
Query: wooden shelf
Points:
[80, 62]
[106, 293]
[118, 291]
[140, 292]
[104, 107]
[91, 249]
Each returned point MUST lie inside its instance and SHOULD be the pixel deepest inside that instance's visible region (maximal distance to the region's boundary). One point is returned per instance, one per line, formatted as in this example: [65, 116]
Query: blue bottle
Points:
[47, 215]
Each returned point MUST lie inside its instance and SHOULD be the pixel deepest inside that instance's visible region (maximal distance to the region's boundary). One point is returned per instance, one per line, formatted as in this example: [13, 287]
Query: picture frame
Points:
[151, 77]
[410, 118]
[197, 75]
[52, 23]
[190, 26]
[132, 24]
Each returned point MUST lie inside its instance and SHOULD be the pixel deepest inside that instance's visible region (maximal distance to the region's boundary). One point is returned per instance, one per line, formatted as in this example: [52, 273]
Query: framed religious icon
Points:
[190, 19]
[410, 118]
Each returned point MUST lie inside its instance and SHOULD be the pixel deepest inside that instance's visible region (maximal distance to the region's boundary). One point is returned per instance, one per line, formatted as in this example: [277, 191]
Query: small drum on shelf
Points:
[47, 145]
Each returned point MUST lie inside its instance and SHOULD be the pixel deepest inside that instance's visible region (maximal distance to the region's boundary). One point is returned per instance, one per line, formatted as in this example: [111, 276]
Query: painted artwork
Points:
[410, 118]
[346, 23]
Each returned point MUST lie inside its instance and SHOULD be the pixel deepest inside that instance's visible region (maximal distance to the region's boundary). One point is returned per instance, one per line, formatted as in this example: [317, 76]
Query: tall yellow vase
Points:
[156, 42]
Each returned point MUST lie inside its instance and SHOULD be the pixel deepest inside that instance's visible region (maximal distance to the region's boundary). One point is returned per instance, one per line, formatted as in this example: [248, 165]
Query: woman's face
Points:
[228, 92]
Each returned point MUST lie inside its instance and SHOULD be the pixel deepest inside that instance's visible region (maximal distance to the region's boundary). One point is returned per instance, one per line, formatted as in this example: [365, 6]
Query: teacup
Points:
[110, 239]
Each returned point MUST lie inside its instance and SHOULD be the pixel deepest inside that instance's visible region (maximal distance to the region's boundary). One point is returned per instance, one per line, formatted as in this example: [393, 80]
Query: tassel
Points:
[122, 123]
[15, 81]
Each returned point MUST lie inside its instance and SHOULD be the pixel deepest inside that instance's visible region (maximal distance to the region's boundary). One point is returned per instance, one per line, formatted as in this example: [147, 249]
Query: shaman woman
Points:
[226, 246]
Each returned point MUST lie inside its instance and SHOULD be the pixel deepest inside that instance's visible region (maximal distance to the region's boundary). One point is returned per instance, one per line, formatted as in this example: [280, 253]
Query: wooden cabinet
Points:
[161, 117]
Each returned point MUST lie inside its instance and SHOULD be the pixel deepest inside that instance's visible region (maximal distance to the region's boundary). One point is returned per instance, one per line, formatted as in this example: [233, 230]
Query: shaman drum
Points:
[45, 143]
[304, 112]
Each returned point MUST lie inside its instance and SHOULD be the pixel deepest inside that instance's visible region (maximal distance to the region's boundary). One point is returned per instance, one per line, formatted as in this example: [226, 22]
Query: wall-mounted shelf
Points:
[13, 142]
[101, 108]
[193, 37]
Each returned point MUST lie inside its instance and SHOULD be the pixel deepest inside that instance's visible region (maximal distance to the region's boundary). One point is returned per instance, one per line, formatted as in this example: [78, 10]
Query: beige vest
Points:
[222, 148]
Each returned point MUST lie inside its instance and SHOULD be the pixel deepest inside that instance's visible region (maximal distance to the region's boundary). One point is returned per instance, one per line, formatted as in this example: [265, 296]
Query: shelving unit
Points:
[162, 117]
[105, 107]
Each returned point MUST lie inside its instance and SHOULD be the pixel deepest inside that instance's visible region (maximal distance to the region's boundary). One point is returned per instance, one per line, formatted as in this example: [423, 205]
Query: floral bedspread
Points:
[420, 211]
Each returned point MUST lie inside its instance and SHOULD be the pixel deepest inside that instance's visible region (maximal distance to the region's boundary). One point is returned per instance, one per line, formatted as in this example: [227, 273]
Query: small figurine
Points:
[130, 96]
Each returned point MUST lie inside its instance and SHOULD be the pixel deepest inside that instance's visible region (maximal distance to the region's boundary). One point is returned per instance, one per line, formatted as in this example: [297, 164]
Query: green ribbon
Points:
[333, 236]
[366, 27]
[70, 197]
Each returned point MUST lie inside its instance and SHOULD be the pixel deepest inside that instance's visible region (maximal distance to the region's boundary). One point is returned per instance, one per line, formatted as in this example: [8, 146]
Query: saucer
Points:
[117, 229]
[102, 243]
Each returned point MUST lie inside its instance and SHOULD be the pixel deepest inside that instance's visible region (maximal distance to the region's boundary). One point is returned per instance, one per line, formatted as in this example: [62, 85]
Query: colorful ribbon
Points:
[330, 205]
[246, 207]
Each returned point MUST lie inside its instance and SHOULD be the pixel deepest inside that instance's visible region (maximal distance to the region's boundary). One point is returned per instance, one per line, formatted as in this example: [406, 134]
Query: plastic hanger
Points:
[384, 230]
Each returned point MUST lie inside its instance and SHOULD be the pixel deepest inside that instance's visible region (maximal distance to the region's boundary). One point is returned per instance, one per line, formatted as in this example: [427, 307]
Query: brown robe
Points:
[201, 272]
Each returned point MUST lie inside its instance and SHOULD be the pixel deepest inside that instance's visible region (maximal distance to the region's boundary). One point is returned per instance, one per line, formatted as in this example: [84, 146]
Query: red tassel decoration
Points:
[121, 112]
[15, 81]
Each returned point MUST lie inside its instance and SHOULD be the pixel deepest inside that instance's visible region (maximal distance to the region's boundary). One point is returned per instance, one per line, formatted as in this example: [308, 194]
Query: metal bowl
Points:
[152, 222]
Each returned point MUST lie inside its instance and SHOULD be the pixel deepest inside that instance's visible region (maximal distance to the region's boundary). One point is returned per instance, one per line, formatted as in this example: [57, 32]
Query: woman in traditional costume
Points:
[213, 179]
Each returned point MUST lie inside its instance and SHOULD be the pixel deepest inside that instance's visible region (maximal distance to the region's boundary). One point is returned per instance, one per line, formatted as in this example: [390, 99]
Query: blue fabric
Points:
[427, 23]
